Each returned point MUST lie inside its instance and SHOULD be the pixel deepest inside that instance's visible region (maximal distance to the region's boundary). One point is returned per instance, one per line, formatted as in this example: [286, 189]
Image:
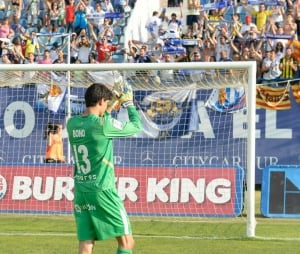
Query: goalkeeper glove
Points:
[126, 98]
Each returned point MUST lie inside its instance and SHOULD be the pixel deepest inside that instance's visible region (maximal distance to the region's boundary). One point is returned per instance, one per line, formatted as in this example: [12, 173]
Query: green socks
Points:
[122, 251]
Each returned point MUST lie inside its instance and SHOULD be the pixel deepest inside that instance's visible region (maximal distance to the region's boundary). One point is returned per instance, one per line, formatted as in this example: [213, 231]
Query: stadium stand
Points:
[177, 30]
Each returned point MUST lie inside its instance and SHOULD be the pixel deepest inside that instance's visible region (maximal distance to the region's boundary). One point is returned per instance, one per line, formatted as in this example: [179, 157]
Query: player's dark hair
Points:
[95, 93]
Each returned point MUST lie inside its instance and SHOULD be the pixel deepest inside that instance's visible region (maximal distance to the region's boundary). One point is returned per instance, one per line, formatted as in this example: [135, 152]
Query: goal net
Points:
[193, 159]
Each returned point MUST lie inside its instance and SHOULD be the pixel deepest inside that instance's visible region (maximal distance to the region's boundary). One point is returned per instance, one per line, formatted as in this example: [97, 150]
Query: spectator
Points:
[289, 25]
[236, 25]
[245, 54]
[5, 58]
[46, 59]
[73, 48]
[54, 14]
[175, 25]
[174, 3]
[153, 25]
[80, 22]
[288, 65]
[278, 13]
[89, 9]
[261, 16]
[167, 75]
[247, 27]
[195, 56]
[46, 17]
[193, 15]
[31, 43]
[105, 30]
[197, 30]
[279, 50]
[33, 12]
[15, 51]
[30, 60]
[107, 6]
[92, 58]
[294, 9]
[221, 46]
[190, 36]
[215, 14]
[119, 5]
[54, 150]
[54, 51]
[142, 57]
[224, 57]
[104, 50]
[16, 7]
[280, 36]
[256, 55]
[3, 5]
[16, 26]
[98, 17]
[208, 49]
[270, 68]
[164, 19]
[5, 30]
[84, 48]
[70, 15]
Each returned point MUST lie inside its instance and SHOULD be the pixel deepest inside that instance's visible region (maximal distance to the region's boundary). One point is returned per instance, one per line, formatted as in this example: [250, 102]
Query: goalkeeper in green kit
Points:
[99, 212]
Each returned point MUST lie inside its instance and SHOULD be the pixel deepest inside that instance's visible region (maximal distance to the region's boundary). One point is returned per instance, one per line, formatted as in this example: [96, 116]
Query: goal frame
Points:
[249, 66]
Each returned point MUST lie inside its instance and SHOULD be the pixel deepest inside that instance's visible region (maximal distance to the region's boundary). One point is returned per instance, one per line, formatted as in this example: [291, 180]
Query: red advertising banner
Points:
[184, 191]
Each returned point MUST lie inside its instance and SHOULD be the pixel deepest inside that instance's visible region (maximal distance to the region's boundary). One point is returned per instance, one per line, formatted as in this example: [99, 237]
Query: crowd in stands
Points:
[263, 31]
[42, 28]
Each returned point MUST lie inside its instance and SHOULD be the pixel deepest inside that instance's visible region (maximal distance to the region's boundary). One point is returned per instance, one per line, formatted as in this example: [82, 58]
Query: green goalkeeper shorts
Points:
[100, 215]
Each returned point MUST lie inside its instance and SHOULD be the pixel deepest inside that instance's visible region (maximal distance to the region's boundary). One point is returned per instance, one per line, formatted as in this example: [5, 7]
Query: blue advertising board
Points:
[190, 134]
[281, 192]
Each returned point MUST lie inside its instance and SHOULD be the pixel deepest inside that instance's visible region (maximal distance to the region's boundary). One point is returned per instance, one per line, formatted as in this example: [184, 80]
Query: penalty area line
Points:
[157, 236]
[135, 236]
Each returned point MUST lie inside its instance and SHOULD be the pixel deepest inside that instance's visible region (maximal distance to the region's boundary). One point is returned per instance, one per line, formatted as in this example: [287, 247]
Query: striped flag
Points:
[296, 93]
[275, 98]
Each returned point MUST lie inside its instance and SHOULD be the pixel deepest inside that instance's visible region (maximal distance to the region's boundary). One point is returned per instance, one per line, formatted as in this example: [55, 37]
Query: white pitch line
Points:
[156, 236]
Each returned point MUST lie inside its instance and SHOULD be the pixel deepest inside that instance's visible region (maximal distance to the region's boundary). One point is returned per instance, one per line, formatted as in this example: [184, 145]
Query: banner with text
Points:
[145, 190]
[199, 136]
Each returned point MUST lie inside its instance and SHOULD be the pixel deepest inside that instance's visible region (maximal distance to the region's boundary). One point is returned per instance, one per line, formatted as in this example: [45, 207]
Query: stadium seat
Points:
[115, 41]
[23, 14]
[121, 39]
[117, 30]
[31, 29]
[44, 30]
[23, 22]
[2, 14]
[61, 30]
[118, 58]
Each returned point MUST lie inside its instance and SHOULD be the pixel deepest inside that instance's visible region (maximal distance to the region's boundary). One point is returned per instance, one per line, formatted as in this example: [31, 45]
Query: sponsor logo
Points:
[3, 187]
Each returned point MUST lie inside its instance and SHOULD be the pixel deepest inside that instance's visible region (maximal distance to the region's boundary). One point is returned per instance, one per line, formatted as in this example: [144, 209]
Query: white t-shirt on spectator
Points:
[247, 28]
[83, 54]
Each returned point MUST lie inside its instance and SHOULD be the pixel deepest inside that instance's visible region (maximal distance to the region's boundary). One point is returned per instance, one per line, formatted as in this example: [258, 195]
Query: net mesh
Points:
[190, 160]
[141, 80]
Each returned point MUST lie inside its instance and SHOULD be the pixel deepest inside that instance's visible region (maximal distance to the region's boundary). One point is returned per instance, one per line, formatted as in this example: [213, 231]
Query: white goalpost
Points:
[195, 157]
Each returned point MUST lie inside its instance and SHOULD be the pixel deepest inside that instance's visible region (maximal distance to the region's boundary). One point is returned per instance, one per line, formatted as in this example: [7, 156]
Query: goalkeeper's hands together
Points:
[126, 98]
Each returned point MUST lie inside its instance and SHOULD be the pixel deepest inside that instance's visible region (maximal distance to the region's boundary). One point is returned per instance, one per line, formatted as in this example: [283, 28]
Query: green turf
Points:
[42, 234]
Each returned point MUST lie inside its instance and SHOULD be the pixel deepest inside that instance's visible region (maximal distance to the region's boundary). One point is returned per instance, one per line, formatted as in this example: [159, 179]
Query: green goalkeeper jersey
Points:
[91, 138]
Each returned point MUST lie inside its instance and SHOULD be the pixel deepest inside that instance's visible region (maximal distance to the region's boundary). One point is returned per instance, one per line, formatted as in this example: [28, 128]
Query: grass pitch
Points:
[43, 234]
